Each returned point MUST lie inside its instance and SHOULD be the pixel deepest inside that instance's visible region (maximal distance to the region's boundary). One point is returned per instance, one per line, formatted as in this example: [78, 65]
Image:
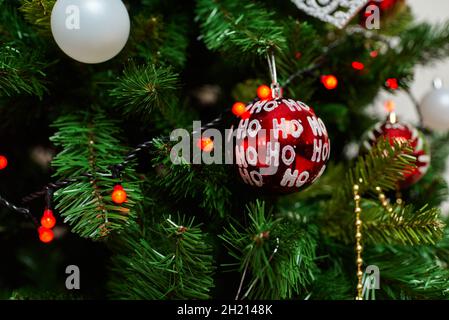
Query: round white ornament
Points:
[435, 108]
[90, 31]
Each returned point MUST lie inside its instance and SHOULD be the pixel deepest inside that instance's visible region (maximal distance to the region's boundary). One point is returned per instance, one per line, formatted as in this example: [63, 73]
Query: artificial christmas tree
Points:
[145, 216]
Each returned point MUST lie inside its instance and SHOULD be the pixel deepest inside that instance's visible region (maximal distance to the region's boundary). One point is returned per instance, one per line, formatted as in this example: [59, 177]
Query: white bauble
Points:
[435, 108]
[90, 31]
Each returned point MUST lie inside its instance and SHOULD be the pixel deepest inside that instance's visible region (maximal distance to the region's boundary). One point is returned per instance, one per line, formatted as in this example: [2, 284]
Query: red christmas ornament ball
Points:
[48, 220]
[403, 132]
[282, 146]
[119, 195]
[45, 235]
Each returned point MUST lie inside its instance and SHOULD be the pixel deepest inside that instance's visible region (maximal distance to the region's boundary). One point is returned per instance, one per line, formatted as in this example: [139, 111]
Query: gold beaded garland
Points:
[358, 237]
[399, 200]
[386, 203]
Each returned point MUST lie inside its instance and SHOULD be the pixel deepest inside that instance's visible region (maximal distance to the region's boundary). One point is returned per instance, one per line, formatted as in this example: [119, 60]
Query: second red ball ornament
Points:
[282, 146]
[396, 131]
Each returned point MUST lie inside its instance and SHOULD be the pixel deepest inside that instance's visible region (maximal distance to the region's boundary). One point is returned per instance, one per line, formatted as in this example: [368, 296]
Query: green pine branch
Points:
[146, 35]
[408, 273]
[332, 284]
[304, 49]
[205, 183]
[12, 26]
[159, 40]
[433, 183]
[22, 71]
[395, 22]
[440, 151]
[31, 293]
[404, 225]
[424, 43]
[170, 261]
[274, 257]
[143, 88]
[239, 27]
[441, 249]
[89, 146]
[384, 166]
[176, 41]
[38, 13]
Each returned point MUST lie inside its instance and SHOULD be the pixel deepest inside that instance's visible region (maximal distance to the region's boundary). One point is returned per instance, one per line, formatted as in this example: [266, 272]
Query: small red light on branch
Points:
[329, 81]
[206, 144]
[119, 194]
[392, 83]
[48, 220]
[45, 235]
[374, 54]
[264, 92]
[238, 108]
[358, 65]
[3, 162]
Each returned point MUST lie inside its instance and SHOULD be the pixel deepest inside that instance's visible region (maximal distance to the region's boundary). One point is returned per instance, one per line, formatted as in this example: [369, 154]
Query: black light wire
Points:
[117, 169]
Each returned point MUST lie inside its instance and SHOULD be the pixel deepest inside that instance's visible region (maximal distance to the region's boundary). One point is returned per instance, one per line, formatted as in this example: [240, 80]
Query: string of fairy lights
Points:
[119, 195]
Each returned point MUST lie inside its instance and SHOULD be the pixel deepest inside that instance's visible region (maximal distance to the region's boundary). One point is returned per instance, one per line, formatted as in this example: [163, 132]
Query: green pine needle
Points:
[143, 88]
[239, 27]
[89, 146]
[21, 72]
[207, 183]
[407, 273]
[275, 258]
[404, 225]
[383, 167]
[176, 264]
[38, 12]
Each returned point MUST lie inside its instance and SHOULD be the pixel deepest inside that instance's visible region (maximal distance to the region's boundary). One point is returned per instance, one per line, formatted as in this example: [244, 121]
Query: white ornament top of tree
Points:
[337, 12]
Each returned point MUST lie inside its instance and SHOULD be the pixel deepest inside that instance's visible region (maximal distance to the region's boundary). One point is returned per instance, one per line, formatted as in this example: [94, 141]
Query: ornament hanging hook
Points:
[275, 87]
